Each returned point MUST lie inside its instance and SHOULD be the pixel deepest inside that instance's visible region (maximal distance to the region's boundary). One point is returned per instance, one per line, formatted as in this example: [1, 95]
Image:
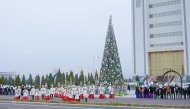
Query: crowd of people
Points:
[73, 93]
[167, 91]
[69, 93]
[7, 90]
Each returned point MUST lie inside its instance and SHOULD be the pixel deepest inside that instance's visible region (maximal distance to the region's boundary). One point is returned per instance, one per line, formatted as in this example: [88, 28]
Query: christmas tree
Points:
[110, 71]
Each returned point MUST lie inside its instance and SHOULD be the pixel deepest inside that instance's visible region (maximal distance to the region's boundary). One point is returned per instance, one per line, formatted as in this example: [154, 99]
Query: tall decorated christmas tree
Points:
[111, 71]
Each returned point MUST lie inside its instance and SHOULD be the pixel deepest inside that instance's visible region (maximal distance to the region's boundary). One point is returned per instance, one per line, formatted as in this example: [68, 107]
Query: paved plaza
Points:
[132, 100]
[27, 105]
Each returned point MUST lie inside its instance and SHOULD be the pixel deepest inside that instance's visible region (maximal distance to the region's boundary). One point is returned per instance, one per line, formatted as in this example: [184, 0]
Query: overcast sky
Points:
[44, 35]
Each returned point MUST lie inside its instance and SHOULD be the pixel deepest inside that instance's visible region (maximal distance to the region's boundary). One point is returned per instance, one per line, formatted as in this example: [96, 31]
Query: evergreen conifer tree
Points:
[43, 80]
[92, 79]
[67, 78]
[37, 81]
[6, 81]
[23, 80]
[17, 81]
[96, 75]
[30, 80]
[77, 79]
[47, 81]
[81, 77]
[10, 81]
[2, 80]
[51, 79]
[111, 71]
[71, 77]
[59, 78]
[63, 78]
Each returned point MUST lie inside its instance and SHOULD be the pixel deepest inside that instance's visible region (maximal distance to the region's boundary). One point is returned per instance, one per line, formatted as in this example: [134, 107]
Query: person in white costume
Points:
[77, 94]
[60, 91]
[32, 92]
[92, 91]
[47, 95]
[37, 94]
[17, 93]
[43, 92]
[25, 94]
[56, 92]
[70, 94]
[85, 93]
[64, 94]
[94, 88]
[109, 88]
[102, 90]
[112, 94]
[52, 92]
[81, 93]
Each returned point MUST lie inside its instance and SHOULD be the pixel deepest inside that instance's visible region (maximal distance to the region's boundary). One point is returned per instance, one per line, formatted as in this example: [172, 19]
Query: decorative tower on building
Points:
[110, 71]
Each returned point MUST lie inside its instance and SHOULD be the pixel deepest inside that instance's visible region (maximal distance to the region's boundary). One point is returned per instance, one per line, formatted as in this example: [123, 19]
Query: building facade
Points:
[7, 75]
[161, 36]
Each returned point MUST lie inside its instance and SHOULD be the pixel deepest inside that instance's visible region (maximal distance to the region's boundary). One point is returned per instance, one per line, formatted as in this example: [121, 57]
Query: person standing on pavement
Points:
[1, 90]
[77, 94]
[151, 90]
[112, 94]
[137, 92]
[32, 92]
[47, 95]
[37, 94]
[102, 90]
[176, 91]
[52, 92]
[22, 89]
[43, 92]
[91, 95]
[168, 91]
[29, 89]
[172, 96]
[85, 93]
[188, 91]
[128, 87]
[17, 93]
[25, 94]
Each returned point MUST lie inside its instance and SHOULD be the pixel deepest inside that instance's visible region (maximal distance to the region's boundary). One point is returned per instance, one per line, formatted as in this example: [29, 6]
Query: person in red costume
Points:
[17, 93]
[25, 92]
[37, 94]
[92, 91]
[47, 95]
[102, 90]
[112, 93]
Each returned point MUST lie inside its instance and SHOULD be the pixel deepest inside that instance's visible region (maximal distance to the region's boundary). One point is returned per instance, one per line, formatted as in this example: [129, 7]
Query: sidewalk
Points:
[130, 94]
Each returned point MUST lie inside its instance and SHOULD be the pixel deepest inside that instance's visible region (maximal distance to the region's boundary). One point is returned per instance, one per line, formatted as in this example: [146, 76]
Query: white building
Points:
[161, 36]
[7, 75]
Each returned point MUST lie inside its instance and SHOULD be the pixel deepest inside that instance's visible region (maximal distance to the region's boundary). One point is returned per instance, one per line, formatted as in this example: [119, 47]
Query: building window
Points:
[151, 25]
[165, 24]
[170, 13]
[169, 34]
[138, 3]
[167, 44]
[173, 2]
[150, 6]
